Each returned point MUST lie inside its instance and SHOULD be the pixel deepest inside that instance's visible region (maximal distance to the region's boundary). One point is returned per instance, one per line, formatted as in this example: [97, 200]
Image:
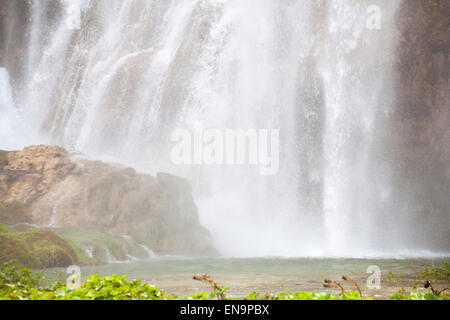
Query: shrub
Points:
[437, 273]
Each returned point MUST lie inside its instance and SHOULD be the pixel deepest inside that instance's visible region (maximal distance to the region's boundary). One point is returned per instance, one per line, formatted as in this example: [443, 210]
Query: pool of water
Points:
[272, 266]
[269, 275]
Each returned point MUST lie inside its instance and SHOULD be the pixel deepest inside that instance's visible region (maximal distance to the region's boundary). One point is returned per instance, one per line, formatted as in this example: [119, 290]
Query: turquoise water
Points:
[267, 275]
[271, 266]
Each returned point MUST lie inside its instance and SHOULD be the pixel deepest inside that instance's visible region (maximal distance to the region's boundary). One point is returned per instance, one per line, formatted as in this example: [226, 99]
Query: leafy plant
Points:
[436, 273]
[113, 287]
[418, 296]
[350, 295]
[23, 284]
[10, 275]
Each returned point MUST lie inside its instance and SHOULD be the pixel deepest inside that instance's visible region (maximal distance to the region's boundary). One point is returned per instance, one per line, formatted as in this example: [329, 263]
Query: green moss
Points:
[6, 229]
[37, 249]
[104, 247]
[82, 258]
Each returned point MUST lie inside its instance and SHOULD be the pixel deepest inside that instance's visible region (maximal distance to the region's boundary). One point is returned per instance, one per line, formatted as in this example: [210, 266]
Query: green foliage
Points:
[23, 284]
[418, 296]
[197, 296]
[110, 288]
[350, 295]
[17, 284]
[221, 291]
[23, 277]
[390, 276]
[434, 273]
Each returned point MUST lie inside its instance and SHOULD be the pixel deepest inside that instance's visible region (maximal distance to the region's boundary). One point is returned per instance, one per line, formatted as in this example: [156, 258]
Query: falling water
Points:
[117, 87]
[11, 125]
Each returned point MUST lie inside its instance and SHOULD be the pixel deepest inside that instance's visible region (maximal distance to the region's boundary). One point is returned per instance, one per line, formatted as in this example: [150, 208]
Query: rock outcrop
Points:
[45, 186]
[422, 86]
[421, 131]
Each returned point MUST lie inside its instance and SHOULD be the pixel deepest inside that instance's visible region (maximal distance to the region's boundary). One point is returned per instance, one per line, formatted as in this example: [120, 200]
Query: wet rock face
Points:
[421, 121]
[30, 174]
[423, 69]
[13, 34]
[53, 190]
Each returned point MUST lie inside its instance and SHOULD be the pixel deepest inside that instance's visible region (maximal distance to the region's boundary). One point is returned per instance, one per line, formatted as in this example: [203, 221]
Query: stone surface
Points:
[42, 185]
[421, 131]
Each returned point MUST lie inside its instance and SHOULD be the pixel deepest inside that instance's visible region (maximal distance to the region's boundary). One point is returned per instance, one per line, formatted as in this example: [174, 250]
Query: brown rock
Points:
[55, 191]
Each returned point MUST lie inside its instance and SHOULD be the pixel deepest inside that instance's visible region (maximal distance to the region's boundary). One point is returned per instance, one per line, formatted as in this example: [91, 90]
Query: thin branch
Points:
[212, 283]
[333, 284]
[347, 278]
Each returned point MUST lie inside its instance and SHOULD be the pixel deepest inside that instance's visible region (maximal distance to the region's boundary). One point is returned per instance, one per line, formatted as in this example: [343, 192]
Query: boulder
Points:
[45, 186]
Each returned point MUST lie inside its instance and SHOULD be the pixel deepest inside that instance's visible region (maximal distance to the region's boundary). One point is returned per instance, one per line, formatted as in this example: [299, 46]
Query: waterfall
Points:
[117, 87]
[12, 133]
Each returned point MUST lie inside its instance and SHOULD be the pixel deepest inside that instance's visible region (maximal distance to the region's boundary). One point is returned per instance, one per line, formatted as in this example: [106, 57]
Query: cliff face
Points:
[421, 120]
[13, 34]
[42, 185]
[423, 70]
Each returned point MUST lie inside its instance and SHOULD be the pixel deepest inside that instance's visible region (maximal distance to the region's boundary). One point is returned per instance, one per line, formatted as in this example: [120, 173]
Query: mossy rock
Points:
[104, 247]
[82, 257]
[37, 249]
[6, 229]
